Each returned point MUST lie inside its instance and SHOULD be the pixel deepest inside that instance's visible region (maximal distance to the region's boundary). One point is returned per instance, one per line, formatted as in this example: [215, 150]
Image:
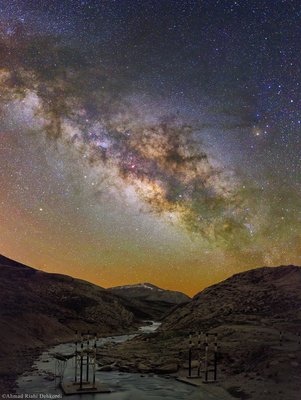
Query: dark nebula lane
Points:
[150, 140]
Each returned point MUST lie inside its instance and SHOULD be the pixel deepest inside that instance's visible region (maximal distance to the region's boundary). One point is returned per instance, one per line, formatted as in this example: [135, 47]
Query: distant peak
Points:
[150, 286]
[143, 285]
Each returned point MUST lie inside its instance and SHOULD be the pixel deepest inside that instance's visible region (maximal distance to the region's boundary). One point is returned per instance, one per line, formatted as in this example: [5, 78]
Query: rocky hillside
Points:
[263, 295]
[247, 312]
[149, 301]
[38, 308]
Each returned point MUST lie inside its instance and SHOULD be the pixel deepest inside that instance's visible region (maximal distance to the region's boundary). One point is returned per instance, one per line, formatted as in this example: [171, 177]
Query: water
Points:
[152, 327]
[125, 386]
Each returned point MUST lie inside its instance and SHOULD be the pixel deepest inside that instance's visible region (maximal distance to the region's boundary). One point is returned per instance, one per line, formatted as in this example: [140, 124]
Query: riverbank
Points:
[19, 358]
[124, 385]
[39, 309]
[252, 363]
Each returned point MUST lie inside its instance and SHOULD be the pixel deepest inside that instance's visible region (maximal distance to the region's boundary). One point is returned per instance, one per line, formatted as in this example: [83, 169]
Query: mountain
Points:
[148, 301]
[39, 308]
[4, 261]
[257, 318]
[263, 295]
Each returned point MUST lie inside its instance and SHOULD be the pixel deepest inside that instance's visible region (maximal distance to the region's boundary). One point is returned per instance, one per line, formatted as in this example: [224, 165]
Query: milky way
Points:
[150, 140]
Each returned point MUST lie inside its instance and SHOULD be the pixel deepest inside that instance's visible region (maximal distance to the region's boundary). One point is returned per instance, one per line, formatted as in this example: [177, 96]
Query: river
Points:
[124, 386]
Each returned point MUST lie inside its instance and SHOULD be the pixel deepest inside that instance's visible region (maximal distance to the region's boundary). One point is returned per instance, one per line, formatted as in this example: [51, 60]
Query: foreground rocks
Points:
[38, 309]
[251, 361]
[247, 312]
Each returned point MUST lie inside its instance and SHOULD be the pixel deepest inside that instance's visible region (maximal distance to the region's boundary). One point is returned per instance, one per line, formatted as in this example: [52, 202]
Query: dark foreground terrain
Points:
[247, 311]
[255, 314]
[38, 309]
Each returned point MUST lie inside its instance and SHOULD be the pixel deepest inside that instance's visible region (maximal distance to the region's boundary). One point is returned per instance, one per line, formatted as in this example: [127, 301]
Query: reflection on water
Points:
[153, 325]
[124, 386]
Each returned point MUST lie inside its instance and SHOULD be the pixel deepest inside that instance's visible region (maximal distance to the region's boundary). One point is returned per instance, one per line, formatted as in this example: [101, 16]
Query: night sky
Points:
[150, 140]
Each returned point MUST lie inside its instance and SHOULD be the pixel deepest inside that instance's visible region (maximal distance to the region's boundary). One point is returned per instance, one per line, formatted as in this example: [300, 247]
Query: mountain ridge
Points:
[256, 316]
[39, 309]
[145, 285]
[149, 301]
[260, 292]
[8, 262]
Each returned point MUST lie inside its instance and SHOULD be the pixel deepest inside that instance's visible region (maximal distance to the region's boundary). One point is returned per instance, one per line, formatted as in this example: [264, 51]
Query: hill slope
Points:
[247, 312]
[38, 308]
[260, 295]
[149, 301]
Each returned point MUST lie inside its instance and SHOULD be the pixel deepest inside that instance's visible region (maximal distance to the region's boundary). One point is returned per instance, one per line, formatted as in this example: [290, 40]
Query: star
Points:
[150, 140]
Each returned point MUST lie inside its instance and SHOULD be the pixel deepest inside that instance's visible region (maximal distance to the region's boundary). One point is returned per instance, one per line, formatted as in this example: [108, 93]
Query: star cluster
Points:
[144, 139]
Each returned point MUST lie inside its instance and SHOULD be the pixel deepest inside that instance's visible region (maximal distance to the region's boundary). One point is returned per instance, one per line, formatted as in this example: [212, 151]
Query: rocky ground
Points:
[247, 312]
[39, 309]
[252, 363]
